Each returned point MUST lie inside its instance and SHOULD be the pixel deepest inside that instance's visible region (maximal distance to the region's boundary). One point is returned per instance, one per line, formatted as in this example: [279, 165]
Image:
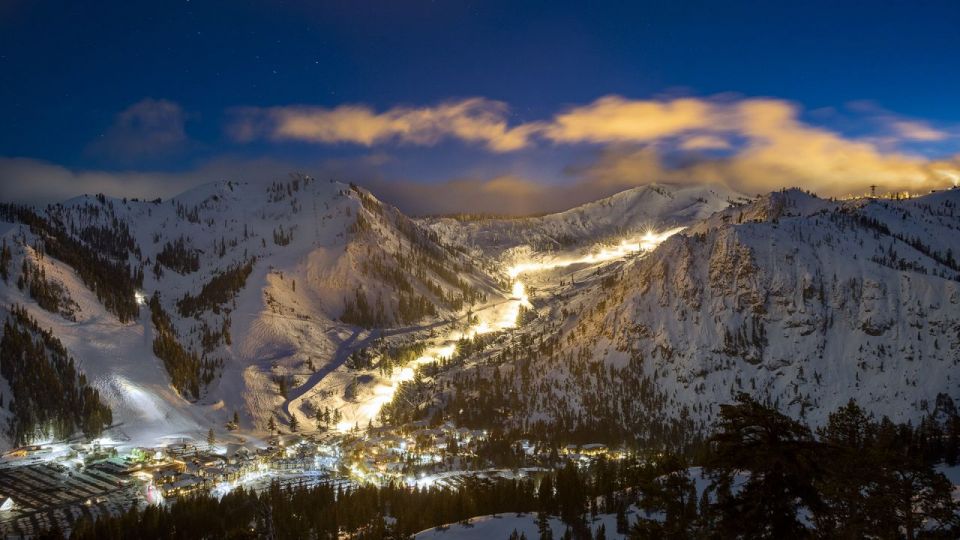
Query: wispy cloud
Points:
[614, 119]
[749, 144]
[916, 130]
[147, 129]
[37, 181]
[776, 148]
[752, 144]
[474, 120]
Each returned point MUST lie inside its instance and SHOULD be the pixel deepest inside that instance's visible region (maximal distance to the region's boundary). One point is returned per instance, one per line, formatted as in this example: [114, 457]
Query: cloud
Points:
[705, 142]
[752, 145]
[776, 148]
[918, 131]
[474, 120]
[149, 128]
[35, 181]
[613, 119]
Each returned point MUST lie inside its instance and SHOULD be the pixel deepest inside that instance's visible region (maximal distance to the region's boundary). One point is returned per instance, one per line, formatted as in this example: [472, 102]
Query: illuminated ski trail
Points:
[498, 317]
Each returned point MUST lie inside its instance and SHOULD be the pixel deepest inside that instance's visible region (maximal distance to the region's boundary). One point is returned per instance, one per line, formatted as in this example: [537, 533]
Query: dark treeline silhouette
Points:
[50, 295]
[188, 372]
[50, 395]
[113, 280]
[179, 257]
[5, 257]
[218, 291]
[772, 477]
[764, 475]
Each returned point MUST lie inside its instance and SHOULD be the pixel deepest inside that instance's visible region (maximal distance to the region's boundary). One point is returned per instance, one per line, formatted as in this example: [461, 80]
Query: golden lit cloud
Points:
[473, 120]
[616, 119]
[751, 144]
[705, 142]
[778, 149]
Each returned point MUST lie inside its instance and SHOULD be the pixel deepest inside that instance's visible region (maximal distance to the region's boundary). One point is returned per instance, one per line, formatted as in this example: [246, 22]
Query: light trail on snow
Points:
[499, 317]
[647, 242]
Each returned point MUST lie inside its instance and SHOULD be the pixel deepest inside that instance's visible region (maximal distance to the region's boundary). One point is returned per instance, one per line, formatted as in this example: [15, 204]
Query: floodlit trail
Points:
[352, 344]
[493, 317]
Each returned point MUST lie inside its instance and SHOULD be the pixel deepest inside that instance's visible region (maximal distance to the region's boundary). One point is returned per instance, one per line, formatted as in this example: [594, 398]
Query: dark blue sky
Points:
[68, 69]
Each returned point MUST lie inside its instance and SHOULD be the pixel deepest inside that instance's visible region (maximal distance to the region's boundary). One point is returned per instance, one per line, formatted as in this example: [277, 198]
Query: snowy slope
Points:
[312, 247]
[628, 213]
[803, 301]
[806, 301]
[503, 525]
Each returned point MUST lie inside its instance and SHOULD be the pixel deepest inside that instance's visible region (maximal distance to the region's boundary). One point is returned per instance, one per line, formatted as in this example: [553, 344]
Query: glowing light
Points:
[482, 328]
[649, 241]
[139, 298]
[953, 176]
[520, 294]
[500, 316]
[445, 352]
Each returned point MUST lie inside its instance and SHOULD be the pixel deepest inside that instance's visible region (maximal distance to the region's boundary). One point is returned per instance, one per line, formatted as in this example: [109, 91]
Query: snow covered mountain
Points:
[628, 213]
[222, 300]
[255, 302]
[802, 301]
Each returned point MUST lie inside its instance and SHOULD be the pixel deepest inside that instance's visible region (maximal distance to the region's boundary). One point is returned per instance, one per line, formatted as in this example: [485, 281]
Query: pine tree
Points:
[211, 437]
[623, 526]
[543, 526]
[5, 257]
[783, 461]
[673, 496]
[322, 417]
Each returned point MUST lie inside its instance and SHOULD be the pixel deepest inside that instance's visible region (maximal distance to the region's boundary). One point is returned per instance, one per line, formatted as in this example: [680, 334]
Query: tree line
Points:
[218, 291]
[50, 395]
[762, 475]
[114, 281]
[188, 372]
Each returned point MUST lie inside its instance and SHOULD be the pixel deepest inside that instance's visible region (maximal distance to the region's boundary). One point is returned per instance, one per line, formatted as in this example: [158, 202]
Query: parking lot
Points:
[50, 493]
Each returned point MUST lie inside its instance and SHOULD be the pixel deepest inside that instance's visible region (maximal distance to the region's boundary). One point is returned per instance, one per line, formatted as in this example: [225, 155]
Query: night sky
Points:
[478, 106]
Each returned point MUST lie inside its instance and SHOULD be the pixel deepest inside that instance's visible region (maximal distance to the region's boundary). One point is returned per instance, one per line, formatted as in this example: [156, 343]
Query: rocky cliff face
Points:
[805, 301]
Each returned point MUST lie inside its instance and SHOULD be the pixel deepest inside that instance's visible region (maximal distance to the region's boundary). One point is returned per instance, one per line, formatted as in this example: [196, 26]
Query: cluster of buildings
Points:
[385, 455]
[43, 485]
[57, 484]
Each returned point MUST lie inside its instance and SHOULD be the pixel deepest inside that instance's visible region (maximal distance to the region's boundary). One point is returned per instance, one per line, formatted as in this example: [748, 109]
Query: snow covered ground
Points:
[779, 260]
[501, 526]
[282, 323]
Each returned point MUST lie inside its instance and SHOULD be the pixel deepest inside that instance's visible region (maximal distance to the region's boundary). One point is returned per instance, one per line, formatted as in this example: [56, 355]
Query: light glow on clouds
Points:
[764, 143]
[474, 120]
[751, 145]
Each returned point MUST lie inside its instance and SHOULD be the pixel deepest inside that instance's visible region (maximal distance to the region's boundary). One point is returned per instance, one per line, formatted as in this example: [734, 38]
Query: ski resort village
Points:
[421, 270]
[207, 369]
